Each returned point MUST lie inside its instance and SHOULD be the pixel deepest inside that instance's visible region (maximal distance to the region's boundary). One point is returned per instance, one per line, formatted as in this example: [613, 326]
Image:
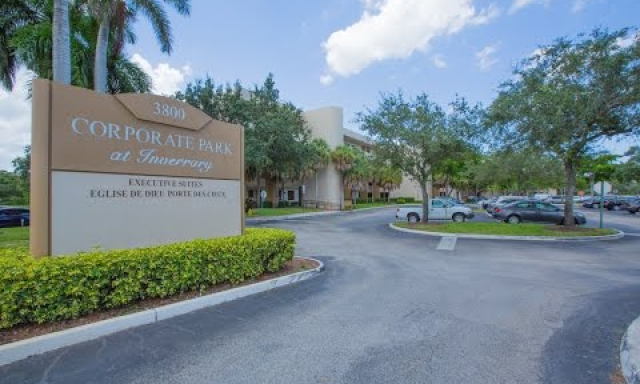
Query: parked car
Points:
[541, 196]
[452, 200]
[534, 210]
[475, 199]
[440, 210]
[590, 202]
[633, 206]
[616, 203]
[485, 203]
[503, 200]
[14, 217]
[559, 199]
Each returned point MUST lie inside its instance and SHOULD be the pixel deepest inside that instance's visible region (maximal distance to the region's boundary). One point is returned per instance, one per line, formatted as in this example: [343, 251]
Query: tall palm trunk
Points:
[61, 42]
[100, 63]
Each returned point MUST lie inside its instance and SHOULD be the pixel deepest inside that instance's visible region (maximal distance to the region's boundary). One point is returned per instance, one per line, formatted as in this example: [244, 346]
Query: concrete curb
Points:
[616, 236]
[630, 353]
[10, 353]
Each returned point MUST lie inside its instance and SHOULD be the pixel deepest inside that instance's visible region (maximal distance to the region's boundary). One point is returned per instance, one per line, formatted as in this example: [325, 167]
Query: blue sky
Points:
[345, 52]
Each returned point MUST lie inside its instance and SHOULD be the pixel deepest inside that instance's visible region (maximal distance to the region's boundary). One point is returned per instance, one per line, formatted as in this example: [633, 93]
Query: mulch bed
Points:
[21, 332]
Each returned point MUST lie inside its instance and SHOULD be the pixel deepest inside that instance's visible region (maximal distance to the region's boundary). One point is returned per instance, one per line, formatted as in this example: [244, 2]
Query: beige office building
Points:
[326, 188]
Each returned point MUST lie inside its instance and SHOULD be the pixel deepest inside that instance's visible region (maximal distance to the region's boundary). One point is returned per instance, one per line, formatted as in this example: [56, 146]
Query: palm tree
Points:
[31, 46]
[321, 159]
[343, 158]
[123, 13]
[61, 42]
[13, 15]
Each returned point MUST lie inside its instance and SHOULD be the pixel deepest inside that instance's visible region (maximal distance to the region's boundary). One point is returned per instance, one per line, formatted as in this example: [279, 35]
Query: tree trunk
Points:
[259, 197]
[316, 187]
[61, 42]
[100, 63]
[570, 174]
[425, 203]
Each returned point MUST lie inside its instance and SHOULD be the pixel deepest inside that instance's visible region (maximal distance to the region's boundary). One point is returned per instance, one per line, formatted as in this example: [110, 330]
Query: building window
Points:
[291, 196]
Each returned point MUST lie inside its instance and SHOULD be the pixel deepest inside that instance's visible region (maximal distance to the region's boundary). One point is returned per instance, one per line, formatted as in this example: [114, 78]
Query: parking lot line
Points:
[447, 243]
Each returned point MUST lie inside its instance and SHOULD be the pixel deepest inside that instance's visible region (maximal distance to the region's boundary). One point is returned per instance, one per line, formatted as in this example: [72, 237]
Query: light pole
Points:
[601, 204]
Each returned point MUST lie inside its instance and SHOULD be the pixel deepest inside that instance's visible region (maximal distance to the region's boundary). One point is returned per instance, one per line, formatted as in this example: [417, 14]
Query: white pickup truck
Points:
[438, 210]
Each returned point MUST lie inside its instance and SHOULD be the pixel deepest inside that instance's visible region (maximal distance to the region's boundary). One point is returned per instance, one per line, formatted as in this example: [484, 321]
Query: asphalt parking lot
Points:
[389, 308]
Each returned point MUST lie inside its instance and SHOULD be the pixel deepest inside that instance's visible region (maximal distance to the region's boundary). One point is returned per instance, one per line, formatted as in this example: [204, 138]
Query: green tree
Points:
[343, 158]
[571, 95]
[13, 15]
[276, 136]
[316, 156]
[22, 165]
[595, 167]
[31, 45]
[120, 14]
[627, 174]
[385, 176]
[518, 172]
[359, 174]
[417, 136]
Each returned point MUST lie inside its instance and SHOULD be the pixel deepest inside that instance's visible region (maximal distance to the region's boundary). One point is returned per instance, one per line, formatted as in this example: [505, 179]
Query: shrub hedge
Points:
[58, 288]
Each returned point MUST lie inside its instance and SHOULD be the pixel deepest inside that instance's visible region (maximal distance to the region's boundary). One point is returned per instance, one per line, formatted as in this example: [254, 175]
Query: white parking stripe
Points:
[447, 243]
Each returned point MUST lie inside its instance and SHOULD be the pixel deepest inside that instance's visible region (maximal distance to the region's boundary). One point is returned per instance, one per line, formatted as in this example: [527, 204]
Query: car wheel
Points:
[513, 219]
[413, 218]
[458, 217]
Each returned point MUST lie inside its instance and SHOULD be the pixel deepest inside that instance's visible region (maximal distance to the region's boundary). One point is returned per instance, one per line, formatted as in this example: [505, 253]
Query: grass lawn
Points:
[507, 229]
[281, 211]
[14, 237]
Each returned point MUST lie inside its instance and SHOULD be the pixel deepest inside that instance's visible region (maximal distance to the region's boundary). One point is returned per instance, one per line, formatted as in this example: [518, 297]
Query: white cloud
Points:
[166, 80]
[486, 58]
[519, 4]
[395, 29]
[438, 61]
[578, 5]
[326, 79]
[15, 119]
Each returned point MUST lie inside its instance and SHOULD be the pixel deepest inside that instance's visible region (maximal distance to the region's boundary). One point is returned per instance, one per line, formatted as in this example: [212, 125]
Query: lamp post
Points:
[601, 204]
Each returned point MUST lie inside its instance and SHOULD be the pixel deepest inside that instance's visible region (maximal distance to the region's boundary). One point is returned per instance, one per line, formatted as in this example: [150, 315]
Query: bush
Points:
[401, 200]
[58, 288]
[267, 204]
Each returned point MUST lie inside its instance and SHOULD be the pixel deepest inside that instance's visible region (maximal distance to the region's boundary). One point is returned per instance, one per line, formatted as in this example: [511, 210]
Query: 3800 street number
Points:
[166, 110]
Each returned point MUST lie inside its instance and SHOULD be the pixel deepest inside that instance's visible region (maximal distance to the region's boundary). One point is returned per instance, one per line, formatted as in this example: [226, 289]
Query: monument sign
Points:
[129, 170]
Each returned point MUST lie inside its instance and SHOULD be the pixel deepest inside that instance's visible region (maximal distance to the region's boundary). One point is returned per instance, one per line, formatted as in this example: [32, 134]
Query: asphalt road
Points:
[390, 308]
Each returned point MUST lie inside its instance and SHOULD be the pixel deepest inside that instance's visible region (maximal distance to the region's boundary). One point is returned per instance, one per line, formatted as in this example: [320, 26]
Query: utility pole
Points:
[601, 204]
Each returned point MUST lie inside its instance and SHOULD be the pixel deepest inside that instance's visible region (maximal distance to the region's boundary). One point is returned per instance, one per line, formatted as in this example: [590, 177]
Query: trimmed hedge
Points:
[58, 288]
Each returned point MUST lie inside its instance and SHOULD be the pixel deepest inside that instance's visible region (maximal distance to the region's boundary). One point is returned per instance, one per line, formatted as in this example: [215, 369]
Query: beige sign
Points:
[78, 130]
